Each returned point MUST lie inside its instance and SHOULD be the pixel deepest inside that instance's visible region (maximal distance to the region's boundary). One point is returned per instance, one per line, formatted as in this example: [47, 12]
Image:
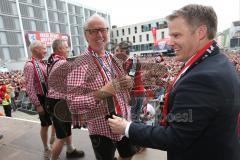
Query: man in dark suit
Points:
[202, 104]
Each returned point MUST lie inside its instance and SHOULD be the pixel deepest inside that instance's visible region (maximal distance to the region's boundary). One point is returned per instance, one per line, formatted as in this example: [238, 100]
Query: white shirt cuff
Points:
[127, 129]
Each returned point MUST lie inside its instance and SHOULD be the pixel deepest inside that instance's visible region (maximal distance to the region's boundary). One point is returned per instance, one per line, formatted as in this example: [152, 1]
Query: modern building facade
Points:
[18, 17]
[229, 39]
[141, 35]
[235, 35]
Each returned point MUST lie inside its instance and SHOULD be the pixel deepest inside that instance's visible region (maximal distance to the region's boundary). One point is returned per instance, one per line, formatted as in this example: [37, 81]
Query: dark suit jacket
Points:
[204, 105]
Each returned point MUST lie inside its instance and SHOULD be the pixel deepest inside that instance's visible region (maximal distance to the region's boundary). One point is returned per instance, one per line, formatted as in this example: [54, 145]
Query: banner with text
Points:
[46, 37]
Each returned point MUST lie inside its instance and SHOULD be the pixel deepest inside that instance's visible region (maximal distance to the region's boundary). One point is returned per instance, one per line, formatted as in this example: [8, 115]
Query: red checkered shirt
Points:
[51, 92]
[31, 83]
[87, 78]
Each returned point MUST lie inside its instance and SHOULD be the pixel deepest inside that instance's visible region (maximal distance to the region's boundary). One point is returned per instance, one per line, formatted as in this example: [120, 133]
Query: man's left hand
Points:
[123, 83]
[117, 124]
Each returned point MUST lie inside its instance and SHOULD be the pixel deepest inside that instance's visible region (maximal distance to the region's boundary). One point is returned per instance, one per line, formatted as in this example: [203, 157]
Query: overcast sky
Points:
[127, 12]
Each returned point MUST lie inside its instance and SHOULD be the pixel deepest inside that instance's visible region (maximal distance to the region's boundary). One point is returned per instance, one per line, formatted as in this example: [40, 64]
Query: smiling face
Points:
[184, 40]
[96, 34]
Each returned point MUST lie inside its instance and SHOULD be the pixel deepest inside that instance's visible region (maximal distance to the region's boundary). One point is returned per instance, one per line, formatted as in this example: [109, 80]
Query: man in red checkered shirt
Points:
[35, 78]
[101, 84]
[63, 128]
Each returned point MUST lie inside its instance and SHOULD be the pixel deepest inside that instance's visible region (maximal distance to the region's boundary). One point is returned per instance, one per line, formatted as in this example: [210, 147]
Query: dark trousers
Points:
[13, 104]
[7, 110]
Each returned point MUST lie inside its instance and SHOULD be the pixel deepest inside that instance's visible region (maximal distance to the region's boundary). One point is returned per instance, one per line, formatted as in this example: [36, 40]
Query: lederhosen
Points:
[62, 127]
[41, 79]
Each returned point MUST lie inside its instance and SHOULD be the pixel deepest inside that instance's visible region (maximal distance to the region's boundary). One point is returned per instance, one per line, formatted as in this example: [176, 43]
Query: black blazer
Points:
[204, 105]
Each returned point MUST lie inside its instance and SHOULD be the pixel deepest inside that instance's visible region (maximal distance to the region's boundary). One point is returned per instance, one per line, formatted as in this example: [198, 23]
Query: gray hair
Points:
[94, 16]
[35, 44]
[196, 15]
[57, 43]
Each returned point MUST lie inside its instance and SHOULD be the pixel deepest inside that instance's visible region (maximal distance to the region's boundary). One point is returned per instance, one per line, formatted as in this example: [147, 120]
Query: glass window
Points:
[80, 20]
[22, 52]
[142, 28]
[45, 27]
[146, 47]
[30, 10]
[14, 9]
[137, 48]
[64, 18]
[76, 30]
[75, 20]
[63, 28]
[121, 39]
[147, 37]
[44, 14]
[33, 26]
[129, 31]
[6, 53]
[73, 9]
[77, 40]
[3, 38]
[149, 27]
[117, 33]
[158, 26]
[133, 39]
[1, 22]
[49, 3]
[116, 41]
[150, 46]
[123, 32]
[111, 34]
[55, 15]
[163, 36]
[54, 4]
[140, 38]
[19, 38]
[57, 28]
[163, 24]
[135, 28]
[17, 24]
[64, 6]
[127, 39]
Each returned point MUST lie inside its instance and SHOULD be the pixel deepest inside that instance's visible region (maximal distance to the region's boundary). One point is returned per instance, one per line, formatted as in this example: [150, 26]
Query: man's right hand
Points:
[105, 91]
[40, 110]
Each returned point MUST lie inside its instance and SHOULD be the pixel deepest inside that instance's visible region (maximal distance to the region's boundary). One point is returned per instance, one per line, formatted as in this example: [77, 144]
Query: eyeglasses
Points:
[95, 31]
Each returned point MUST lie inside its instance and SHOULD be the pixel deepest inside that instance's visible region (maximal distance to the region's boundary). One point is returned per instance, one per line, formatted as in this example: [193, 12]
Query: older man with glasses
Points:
[97, 87]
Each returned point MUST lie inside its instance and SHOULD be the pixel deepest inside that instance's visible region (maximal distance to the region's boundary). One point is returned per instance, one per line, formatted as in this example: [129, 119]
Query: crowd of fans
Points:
[235, 59]
[173, 66]
[15, 79]
[11, 84]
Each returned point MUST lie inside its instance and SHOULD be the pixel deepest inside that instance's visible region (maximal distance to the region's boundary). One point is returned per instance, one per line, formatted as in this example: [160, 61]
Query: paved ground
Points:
[22, 140]
[22, 115]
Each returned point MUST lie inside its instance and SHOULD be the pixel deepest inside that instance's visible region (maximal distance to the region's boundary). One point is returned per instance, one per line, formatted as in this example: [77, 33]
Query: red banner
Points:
[46, 37]
[154, 32]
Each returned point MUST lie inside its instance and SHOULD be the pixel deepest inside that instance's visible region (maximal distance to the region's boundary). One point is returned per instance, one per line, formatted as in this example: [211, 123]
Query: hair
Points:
[93, 17]
[35, 44]
[196, 15]
[57, 43]
[125, 45]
